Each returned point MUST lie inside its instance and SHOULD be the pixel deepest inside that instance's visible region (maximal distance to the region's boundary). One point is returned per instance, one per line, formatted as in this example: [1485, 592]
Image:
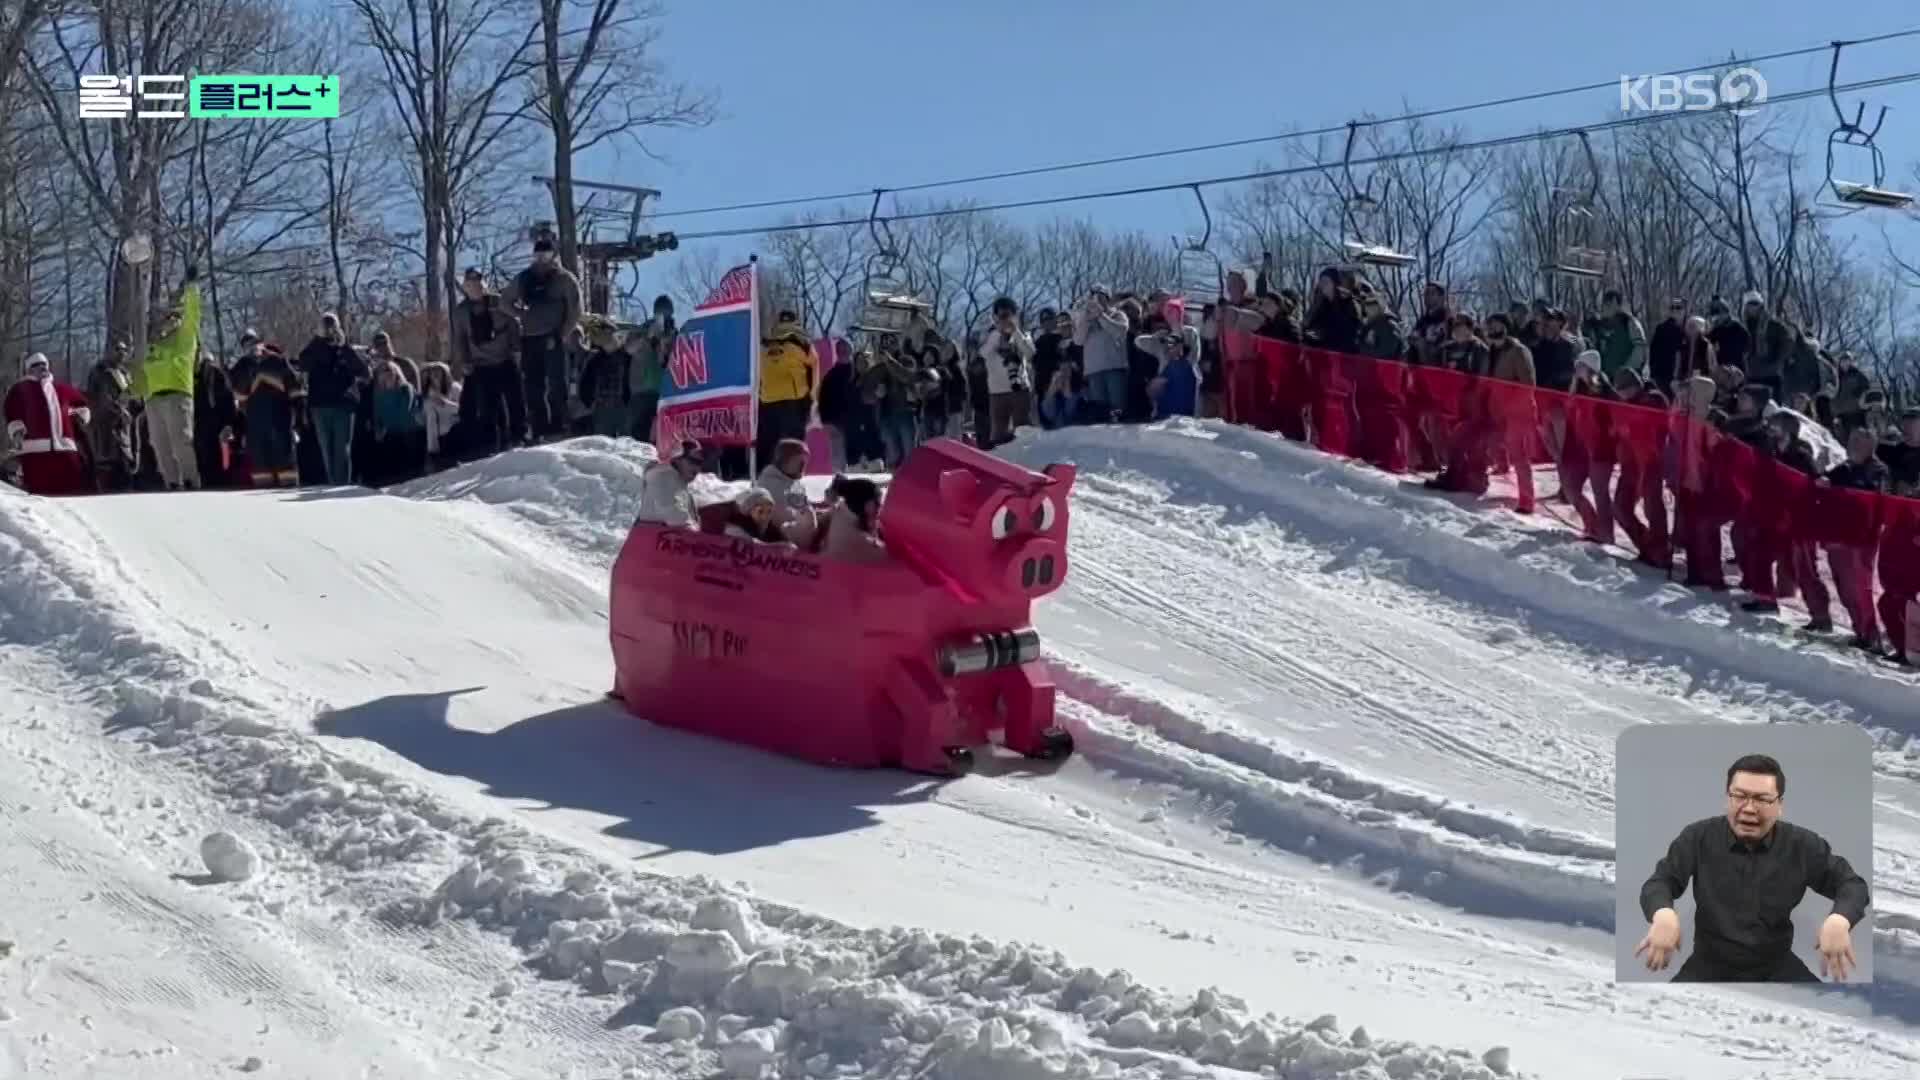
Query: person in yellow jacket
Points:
[786, 385]
[164, 382]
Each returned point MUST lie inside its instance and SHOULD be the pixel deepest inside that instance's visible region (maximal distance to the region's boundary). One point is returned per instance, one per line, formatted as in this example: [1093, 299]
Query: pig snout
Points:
[1036, 567]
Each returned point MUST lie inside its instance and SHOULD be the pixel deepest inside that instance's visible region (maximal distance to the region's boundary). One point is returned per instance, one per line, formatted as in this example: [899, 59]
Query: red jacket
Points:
[44, 416]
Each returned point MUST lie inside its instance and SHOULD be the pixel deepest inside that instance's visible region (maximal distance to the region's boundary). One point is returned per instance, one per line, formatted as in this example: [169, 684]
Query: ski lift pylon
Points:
[1360, 250]
[888, 305]
[1581, 258]
[1202, 276]
[1854, 133]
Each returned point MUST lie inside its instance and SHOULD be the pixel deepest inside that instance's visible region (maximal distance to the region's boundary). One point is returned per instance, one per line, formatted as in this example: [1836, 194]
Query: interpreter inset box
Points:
[1743, 853]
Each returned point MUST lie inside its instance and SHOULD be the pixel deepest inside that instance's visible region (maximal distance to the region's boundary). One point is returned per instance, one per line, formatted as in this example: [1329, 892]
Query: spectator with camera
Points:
[1007, 352]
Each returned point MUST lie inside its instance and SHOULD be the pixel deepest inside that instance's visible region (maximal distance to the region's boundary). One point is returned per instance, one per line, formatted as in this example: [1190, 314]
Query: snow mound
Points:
[582, 491]
[1465, 550]
[229, 858]
[775, 989]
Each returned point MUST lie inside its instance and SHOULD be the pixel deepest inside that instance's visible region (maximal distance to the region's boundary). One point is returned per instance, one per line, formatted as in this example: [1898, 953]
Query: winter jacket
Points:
[740, 526]
[485, 333]
[168, 368]
[1851, 386]
[334, 372]
[1553, 361]
[1903, 467]
[1180, 387]
[213, 402]
[847, 541]
[1869, 475]
[394, 411]
[1102, 338]
[647, 361]
[1430, 335]
[786, 367]
[1665, 352]
[789, 495]
[886, 384]
[1621, 342]
[1009, 361]
[1334, 324]
[1383, 339]
[1808, 370]
[1048, 353]
[665, 499]
[1731, 342]
[267, 374]
[110, 396]
[1771, 348]
[1282, 327]
[1472, 358]
[551, 297]
[604, 379]
[1511, 364]
[838, 396]
[438, 414]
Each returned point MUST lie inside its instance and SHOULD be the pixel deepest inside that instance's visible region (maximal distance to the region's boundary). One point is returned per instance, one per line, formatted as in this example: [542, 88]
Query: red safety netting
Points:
[1402, 417]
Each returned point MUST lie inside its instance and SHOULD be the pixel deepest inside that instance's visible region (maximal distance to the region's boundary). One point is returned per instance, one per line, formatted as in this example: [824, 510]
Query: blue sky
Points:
[846, 95]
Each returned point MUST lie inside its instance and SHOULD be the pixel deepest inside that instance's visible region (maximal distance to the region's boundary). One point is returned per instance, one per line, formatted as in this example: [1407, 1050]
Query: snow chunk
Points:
[749, 1053]
[705, 952]
[681, 1023]
[731, 916]
[1499, 1059]
[229, 858]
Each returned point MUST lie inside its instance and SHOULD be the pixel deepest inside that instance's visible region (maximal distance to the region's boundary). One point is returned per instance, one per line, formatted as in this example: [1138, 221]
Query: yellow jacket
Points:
[786, 368]
[170, 360]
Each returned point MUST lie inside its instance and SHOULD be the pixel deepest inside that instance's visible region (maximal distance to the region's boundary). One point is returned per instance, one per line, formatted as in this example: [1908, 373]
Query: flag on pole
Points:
[713, 374]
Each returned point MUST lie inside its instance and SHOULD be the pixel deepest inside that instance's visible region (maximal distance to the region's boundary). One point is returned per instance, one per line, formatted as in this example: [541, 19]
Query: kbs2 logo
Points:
[688, 365]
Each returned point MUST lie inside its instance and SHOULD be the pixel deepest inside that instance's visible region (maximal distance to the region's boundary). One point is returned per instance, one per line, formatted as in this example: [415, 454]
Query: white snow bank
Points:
[774, 987]
[582, 491]
[1479, 555]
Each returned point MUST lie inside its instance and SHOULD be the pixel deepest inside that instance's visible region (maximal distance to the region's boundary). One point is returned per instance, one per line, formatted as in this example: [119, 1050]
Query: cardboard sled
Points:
[910, 663]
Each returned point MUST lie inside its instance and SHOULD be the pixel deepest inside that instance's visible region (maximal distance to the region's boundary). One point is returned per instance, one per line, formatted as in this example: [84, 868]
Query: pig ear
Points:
[959, 490]
[1062, 474]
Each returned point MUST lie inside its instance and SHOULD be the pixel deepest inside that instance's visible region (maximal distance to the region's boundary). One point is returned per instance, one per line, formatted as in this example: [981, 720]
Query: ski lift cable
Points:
[1231, 144]
[1496, 142]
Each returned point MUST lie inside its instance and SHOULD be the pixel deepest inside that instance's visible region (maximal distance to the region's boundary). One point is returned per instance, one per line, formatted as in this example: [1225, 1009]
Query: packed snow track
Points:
[1345, 753]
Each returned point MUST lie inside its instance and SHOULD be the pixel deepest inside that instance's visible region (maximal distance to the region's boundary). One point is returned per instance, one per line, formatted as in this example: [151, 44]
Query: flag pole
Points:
[753, 404]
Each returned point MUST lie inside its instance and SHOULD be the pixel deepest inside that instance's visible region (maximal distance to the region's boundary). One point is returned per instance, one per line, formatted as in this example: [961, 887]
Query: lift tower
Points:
[598, 258]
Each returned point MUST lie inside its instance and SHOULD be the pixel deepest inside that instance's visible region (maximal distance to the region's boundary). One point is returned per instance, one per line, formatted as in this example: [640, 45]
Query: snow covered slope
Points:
[1338, 758]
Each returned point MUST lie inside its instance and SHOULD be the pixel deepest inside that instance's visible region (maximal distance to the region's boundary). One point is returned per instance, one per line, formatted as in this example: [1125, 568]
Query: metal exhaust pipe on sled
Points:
[989, 652]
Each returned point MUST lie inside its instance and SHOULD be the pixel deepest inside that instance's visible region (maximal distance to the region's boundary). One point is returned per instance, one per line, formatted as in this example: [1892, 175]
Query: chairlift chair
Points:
[1361, 251]
[888, 305]
[1854, 196]
[1201, 276]
[1582, 259]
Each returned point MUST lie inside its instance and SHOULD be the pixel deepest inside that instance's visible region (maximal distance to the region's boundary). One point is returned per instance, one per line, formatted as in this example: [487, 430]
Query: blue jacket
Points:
[393, 411]
[1180, 396]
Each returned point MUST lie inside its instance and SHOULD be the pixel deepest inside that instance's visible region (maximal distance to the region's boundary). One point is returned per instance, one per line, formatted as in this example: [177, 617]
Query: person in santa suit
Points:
[45, 422]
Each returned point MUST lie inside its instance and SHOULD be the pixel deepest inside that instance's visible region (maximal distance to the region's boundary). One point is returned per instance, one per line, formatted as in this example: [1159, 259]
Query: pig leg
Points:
[1026, 695]
[929, 738]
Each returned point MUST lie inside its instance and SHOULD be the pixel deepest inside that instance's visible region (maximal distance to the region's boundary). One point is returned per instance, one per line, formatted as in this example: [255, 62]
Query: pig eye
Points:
[1003, 522]
[1043, 515]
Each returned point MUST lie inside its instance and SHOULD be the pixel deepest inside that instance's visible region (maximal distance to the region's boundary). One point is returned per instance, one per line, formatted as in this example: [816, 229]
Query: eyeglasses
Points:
[1764, 802]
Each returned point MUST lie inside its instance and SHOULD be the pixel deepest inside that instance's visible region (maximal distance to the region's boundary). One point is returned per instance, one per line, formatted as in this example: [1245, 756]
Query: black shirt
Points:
[1744, 895]
[1903, 462]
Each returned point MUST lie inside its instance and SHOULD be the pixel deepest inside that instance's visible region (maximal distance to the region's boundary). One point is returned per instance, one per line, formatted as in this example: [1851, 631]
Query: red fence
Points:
[1399, 416]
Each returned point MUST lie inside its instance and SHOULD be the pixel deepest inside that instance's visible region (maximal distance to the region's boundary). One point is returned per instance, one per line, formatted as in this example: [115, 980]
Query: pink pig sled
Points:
[910, 663]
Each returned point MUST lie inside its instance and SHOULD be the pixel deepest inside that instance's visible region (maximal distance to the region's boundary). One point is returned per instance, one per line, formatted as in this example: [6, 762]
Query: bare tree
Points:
[600, 79]
[119, 162]
[452, 70]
